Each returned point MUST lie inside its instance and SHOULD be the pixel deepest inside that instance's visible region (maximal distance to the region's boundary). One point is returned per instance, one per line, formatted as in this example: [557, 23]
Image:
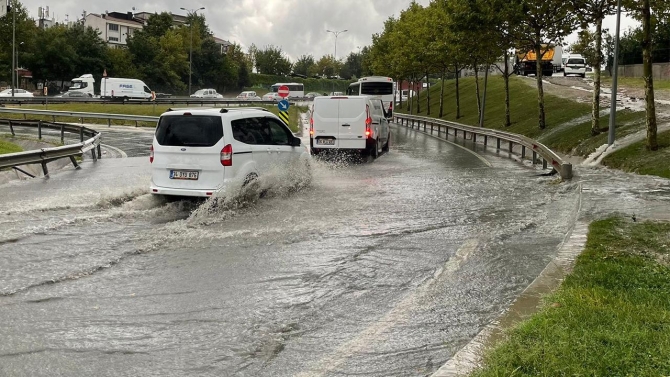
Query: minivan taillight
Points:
[311, 126]
[227, 155]
[368, 132]
[151, 155]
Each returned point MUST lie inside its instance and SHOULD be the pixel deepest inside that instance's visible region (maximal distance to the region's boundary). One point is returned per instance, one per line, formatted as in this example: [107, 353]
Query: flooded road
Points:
[378, 269]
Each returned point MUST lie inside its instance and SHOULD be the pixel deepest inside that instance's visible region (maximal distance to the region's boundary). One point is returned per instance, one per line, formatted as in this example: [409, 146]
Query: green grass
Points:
[523, 102]
[149, 110]
[637, 158]
[610, 317]
[7, 147]
[637, 82]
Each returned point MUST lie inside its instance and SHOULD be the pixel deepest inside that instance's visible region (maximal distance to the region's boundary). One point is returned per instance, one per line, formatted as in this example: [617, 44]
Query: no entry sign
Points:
[283, 91]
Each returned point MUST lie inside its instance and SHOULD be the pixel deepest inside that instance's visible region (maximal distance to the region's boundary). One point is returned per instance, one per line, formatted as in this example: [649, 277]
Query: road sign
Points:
[283, 105]
[283, 91]
[104, 73]
[283, 115]
[46, 90]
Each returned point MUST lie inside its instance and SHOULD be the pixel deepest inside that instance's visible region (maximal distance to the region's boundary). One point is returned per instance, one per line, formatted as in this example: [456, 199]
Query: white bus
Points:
[295, 89]
[374, 86]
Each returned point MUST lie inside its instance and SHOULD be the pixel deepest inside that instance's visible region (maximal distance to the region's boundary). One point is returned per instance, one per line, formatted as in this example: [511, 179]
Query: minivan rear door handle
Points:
[346, 125]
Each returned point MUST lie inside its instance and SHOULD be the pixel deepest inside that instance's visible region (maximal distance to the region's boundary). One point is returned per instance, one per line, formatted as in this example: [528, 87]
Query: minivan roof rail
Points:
[222, 110]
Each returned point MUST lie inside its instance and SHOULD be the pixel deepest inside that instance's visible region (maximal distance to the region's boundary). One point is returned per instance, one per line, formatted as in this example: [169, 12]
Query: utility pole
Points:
[192, 13]
[336, 33]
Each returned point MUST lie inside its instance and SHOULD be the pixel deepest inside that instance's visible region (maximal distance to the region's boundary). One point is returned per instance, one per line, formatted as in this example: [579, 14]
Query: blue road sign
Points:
[283, 105]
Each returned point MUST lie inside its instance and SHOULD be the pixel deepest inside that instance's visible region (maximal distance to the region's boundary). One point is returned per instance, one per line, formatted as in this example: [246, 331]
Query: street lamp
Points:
[190, 59]
[615, 77]
[336, 33]
[18, 83]
[13, 46]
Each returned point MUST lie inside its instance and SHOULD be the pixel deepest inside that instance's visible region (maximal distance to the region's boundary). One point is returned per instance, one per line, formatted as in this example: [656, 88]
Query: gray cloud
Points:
[297, 26]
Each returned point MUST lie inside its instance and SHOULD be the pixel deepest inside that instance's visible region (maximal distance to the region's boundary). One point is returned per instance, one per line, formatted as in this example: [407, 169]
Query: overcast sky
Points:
[297, 26]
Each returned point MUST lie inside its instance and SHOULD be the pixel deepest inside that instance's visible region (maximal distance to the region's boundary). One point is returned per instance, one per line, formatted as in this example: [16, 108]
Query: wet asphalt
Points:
[382, 268]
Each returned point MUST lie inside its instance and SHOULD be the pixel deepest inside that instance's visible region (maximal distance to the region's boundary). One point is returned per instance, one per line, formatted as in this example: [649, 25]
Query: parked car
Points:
[248, 95]
[203, 152]
[312, 95]
[17, 93]
[74, 95]
[574, 65]
[206, 93]
[271, 96]
[349, 123]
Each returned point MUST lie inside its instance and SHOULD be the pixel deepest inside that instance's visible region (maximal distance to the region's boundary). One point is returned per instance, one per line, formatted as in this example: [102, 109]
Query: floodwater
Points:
[383, 268]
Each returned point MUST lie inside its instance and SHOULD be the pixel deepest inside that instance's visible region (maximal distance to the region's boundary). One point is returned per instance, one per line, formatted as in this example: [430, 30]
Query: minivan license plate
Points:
[325, 141]
[184, 174]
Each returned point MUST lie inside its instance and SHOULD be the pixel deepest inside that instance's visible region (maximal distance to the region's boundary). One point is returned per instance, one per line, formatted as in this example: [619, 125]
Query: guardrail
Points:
[159, 101]
[46, 155]
[443, 127]
[80, 115]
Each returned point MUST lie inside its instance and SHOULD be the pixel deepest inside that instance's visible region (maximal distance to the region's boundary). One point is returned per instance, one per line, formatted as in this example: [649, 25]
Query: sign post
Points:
[46, 93]
[104, 78]
[283, 105]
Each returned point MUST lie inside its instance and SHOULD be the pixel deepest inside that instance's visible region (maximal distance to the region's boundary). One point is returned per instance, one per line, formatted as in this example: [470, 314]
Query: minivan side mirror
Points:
[295, 142]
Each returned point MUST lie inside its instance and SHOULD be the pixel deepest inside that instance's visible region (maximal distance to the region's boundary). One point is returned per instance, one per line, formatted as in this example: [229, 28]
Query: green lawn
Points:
[523, 100]
[637, 158]
[610, 317]
[7, 147]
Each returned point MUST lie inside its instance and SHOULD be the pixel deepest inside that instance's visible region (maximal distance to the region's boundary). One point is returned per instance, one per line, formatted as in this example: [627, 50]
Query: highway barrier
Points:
[514, 143]
[89, 140]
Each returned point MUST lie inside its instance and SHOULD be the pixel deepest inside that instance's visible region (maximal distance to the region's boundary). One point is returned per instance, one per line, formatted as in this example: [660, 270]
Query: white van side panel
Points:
[326, 121]
[352, 115]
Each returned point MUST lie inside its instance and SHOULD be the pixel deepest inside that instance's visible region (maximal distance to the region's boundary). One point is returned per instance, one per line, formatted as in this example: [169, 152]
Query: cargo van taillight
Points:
[227, 155]
[311, 126]
[151, 155]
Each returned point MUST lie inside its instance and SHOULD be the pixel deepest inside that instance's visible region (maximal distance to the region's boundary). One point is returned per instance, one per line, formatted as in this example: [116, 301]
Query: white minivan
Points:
[349, 123]
[112, 87]
[199, 152]
[574, 65]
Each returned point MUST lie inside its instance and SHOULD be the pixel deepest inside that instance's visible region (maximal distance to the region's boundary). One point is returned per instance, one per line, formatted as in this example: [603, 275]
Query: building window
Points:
[113, 39]
[114, 27]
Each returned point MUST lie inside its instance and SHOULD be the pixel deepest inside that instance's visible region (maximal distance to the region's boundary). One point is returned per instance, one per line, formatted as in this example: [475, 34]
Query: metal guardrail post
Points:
[498, 144]
[544, 163]
[74, 162]
[62, 133]
[136, 124]
[44, 169]
[39, 130]
[474, 137]
[534, 157]
[99, 151]
[25, 116]
[82, 120]
[109, 122]
[53, 118]
[486, 140]
[523, 152]
[81, 134]
[511, 147]
[11, 128]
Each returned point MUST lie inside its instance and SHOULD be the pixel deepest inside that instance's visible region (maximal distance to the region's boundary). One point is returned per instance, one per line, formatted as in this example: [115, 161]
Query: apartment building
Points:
[114, 27]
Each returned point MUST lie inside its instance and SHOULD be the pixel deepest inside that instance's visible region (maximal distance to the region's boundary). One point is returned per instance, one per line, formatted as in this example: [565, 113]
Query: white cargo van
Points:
[349, 123]
[111, 87]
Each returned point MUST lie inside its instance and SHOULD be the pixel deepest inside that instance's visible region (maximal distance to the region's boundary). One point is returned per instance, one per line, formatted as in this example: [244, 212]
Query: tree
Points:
[271, 61]
[544, 22]
[120, 63]
[352, 66]
[303, 65]
[326, 66]
[56, 60]
[642, 11]
[594, 12]
[26, 32]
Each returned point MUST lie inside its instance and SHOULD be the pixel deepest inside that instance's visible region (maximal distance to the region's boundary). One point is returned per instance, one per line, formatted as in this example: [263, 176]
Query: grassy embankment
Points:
[149, 110]
[610, 317]
[560, 134]
[7, 147]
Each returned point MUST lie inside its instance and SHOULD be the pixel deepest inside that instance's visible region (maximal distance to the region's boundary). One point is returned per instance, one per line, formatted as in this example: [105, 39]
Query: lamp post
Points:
[13, 47]
[615, 77]
[190, 58]
[336, 33]
[18, 82]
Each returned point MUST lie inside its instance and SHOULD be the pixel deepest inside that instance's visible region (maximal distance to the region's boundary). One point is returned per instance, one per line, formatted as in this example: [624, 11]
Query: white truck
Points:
[83, 84]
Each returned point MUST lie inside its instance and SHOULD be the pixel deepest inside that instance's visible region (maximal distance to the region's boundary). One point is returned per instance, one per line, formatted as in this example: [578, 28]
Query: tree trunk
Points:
[540, 89]
[418, 98]
[506, 75]
[427, 96]
[442, 95]
[652, 140]
[458, 96]
[479, 100]
[595, 111]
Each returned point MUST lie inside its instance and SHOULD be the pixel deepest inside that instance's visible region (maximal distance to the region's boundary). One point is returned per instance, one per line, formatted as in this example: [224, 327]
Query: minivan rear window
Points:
[576, 61]
[189, 130]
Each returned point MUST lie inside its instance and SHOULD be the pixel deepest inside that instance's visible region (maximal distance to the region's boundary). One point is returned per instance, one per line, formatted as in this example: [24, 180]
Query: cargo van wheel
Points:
[387, 146]
[374, 152]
